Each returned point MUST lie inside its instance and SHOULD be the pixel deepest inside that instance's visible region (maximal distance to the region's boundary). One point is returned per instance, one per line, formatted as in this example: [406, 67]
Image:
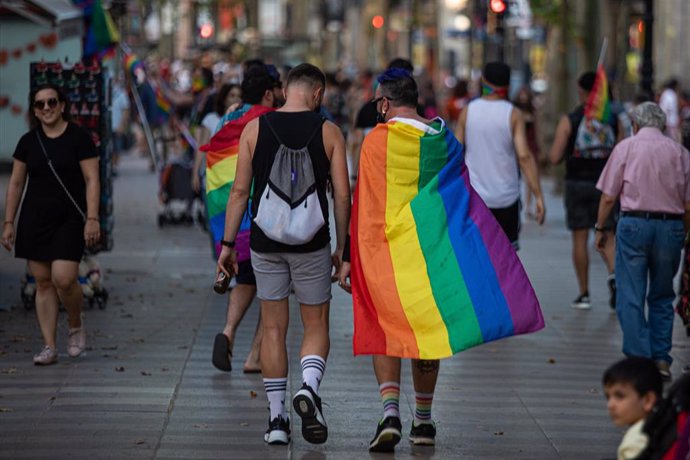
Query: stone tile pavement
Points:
[146, 388]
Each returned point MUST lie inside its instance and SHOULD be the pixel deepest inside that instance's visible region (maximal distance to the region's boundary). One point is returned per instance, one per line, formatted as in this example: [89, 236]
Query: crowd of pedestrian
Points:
[293, 134]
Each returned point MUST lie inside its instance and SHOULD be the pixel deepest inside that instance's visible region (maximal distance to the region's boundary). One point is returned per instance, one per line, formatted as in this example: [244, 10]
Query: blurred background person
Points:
[524, 100]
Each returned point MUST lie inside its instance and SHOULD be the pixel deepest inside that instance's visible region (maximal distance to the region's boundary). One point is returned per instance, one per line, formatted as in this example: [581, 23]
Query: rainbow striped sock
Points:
[390, 396]
[422, 410]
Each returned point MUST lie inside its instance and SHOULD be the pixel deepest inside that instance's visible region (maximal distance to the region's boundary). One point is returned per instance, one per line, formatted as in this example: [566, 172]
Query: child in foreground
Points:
[632, 386]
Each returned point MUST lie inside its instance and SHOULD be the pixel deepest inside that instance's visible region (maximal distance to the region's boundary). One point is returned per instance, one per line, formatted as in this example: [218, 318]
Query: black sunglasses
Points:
[40, 104]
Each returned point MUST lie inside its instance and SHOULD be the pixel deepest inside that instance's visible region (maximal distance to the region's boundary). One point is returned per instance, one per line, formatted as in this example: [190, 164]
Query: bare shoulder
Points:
[331, 130]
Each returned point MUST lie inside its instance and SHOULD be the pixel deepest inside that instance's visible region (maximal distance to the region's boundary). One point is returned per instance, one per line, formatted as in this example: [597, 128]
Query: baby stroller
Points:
[90, 280]
[176, 194]
[668, 426]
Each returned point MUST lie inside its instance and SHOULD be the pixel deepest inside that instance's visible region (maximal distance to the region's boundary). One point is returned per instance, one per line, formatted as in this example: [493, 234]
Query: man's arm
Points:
[341, 186]
[460, 126]
[606, 204]
[527, 163]
[560, 141]
[239, 194]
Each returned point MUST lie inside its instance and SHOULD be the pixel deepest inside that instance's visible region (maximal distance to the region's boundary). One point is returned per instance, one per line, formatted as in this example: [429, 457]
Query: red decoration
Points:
[31, 47]
[17, 109]
[48, 40]
[17, 53]
[4, 101]
[3, 56]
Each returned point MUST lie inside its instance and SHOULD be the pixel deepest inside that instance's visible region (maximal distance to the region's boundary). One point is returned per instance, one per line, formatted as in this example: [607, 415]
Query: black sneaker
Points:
[423, 434]
[582, 302]
[307, 404]
[278, 432]
[387, 435]
[611, 282]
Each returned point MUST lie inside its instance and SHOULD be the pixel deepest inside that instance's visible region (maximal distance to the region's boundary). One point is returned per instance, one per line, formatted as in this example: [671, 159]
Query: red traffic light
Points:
[497, 6]
[377, 21]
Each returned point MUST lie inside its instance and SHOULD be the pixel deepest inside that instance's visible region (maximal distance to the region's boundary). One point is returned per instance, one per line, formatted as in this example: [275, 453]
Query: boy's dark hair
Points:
[399, 87]
[255, 84]
[586, 81]
[307, 73]
[61, 96]
[641, 373]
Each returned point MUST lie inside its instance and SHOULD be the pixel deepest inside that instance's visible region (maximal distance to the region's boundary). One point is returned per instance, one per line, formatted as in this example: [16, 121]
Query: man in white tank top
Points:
[493, 132]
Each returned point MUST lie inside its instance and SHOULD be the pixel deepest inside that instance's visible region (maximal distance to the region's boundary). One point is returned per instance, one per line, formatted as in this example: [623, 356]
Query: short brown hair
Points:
[307, 73]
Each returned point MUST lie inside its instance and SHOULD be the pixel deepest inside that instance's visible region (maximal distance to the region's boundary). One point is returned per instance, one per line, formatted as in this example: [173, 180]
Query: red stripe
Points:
[368, 336]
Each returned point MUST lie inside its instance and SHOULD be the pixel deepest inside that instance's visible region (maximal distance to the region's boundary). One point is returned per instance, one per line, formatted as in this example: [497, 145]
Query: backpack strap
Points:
[318, 128]
[268, 123]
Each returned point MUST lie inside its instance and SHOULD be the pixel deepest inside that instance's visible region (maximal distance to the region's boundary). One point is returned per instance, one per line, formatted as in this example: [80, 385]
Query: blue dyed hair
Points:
[399, 87]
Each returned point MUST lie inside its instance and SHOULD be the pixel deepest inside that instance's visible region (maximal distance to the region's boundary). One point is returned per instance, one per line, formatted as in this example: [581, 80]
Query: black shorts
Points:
[245, 274]
[509, 220]
[582, 206]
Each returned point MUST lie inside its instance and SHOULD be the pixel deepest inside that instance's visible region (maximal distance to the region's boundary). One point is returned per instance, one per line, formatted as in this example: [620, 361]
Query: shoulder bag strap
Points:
[50, 165]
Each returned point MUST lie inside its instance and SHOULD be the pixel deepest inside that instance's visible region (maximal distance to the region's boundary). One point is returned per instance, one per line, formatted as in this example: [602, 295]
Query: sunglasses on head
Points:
[39, 104]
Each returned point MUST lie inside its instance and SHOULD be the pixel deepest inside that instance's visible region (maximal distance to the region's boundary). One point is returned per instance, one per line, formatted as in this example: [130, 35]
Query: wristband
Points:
[92, 218]
[230, 244]
[9, 222]
[600, 229]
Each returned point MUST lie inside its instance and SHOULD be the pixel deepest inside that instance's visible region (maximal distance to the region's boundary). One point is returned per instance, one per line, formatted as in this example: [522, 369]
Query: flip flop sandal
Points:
[222, 353]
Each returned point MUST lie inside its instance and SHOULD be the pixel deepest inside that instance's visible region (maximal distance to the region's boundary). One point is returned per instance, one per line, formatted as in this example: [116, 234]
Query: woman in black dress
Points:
[57, 219]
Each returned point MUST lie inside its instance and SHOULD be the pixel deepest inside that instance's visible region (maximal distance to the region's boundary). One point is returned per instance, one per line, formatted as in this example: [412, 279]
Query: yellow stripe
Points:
[221, 173]
[411, 276]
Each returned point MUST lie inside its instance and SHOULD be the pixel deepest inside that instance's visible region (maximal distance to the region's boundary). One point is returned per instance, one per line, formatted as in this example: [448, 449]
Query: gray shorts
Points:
[309, 273]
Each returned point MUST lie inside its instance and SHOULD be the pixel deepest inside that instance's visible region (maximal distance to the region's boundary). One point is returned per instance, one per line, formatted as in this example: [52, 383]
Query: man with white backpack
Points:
[291, 156]
[585, 145]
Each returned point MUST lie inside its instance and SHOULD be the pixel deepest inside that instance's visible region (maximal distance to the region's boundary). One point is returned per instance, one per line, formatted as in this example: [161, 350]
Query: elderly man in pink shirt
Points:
[651, 175]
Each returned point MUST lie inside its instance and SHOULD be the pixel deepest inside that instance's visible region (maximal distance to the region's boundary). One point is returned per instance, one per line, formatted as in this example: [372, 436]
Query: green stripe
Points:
[217, 200]
[433, 156]
[447, 283]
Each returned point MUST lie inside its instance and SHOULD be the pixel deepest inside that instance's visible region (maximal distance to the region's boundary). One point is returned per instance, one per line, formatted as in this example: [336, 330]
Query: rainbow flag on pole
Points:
[221, 167]
[432, 271]
[598, 106]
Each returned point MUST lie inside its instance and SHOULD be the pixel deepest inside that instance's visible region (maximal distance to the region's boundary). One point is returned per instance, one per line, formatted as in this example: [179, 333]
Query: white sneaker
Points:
[47, 355]
[76, 340]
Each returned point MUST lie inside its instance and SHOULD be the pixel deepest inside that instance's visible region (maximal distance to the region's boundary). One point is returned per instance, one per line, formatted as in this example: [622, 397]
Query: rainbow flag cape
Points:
[432, 271]
[221, 166]
[598, 106]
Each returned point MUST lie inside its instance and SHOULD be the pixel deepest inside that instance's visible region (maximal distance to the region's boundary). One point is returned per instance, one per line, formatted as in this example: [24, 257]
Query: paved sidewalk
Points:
[146, 388]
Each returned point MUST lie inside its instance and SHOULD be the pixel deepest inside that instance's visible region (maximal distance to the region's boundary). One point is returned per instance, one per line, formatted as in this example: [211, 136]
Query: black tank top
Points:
[293, 129]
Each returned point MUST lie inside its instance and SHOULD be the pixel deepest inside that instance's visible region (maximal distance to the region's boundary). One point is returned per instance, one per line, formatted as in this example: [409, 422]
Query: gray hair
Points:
[649, 114]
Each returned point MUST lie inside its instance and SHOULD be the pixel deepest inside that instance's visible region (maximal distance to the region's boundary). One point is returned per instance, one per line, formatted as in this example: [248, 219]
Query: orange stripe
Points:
[214, 157]
[377, 264]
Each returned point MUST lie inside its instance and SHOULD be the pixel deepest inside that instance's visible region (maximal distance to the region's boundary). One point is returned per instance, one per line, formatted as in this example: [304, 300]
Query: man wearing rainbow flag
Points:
[432, 271]
[221, 166]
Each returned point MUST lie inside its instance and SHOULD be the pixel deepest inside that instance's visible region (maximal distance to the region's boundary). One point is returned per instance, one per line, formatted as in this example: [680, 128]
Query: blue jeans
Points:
[647, 250]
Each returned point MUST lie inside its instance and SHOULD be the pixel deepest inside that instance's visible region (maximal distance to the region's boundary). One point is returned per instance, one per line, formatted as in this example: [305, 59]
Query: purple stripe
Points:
[524, 308]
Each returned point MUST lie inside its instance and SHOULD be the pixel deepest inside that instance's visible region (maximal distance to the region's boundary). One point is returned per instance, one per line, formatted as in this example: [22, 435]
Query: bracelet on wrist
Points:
[230, 244]
[92, 218]
[11, 222]
[600, 229]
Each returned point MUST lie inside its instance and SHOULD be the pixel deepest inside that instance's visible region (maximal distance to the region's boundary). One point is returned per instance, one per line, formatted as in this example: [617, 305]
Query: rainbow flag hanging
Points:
[132, 63]
[598, 106]
[432, 271]
[221, 167]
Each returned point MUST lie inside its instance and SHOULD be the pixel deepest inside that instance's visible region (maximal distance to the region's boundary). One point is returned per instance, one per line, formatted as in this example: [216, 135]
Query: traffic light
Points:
[498, 7]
